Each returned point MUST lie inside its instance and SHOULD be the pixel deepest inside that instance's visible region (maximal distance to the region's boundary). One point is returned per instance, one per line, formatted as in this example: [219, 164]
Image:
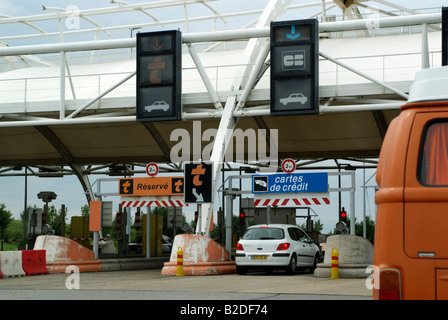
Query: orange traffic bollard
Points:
[180, 262]
[334, 263]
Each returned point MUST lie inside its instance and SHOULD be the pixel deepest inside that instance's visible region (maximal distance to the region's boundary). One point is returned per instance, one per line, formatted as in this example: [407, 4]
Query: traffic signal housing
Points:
[295, 67]
[159, 76]
[343, 216]
[242, 218]
[341, 225]
[242, 223]
[444, 36]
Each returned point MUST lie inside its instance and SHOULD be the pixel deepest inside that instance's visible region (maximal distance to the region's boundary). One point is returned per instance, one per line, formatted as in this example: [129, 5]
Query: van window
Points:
[434, 155]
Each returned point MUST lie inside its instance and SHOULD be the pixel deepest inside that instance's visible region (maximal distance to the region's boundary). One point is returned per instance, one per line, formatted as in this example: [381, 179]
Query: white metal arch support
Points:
[85, 182]
[273, 10]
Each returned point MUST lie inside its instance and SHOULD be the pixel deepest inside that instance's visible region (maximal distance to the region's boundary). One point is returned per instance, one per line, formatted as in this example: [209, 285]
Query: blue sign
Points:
[290, 183]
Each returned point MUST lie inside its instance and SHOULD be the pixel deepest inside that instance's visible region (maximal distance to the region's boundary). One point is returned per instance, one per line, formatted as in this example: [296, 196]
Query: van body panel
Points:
[412, 217]
[426, 206]
[442, 284]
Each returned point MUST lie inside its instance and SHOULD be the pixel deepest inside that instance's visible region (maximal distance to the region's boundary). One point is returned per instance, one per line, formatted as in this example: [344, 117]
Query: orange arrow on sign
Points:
[157, 46]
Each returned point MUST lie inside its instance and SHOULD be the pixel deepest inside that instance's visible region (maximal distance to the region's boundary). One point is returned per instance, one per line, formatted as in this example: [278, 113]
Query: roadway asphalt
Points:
[257, 294]
[152, 285]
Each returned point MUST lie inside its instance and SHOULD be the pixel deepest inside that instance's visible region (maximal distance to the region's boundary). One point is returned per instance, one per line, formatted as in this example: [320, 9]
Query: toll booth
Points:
[286, 215]
[80, 232]
[156, 234]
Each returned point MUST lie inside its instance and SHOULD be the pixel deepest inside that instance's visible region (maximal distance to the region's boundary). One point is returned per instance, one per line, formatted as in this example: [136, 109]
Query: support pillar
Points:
[244, 79]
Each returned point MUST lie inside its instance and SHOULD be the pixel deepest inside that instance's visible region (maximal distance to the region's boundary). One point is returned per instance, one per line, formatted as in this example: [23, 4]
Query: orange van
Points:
[411, 239]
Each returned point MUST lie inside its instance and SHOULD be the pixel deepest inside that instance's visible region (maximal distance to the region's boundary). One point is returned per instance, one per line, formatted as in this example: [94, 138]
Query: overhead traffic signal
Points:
[295, 67]
[444, 36]
[159, 76]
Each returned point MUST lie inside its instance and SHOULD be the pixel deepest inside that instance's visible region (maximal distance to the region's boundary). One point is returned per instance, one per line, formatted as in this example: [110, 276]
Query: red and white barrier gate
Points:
[291, 199]
[144, 202]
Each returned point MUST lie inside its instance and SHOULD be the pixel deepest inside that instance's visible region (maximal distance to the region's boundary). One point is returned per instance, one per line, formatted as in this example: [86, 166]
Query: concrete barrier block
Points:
[11, 264]
[63, 252]
[201, 256]
[34, 262]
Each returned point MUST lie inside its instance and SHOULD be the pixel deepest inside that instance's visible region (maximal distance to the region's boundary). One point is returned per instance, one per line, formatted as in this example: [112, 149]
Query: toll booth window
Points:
[434, 155]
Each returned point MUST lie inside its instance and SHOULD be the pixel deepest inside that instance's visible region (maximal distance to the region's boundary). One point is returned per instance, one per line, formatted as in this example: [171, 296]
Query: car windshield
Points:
[264, 234]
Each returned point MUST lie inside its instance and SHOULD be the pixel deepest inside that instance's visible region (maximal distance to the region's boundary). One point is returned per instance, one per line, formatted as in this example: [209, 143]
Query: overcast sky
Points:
[68, 189]
[32, 7]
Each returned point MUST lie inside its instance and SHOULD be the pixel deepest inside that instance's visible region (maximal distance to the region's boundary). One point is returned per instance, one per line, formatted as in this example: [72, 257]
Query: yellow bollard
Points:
[180, 262]
[334, 263]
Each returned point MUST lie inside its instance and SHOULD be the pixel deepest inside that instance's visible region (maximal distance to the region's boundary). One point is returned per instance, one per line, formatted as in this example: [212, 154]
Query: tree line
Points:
[11, 228]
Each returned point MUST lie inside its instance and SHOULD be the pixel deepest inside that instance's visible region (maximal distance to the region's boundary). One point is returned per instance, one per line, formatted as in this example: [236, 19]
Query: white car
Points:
[158, 105]
[261, 183]
[166, 244]
[294, 98]
[276, 246]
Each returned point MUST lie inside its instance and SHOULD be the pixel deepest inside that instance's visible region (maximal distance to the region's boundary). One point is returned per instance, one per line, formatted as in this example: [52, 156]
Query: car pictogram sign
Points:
[294, 67]
[159, 76]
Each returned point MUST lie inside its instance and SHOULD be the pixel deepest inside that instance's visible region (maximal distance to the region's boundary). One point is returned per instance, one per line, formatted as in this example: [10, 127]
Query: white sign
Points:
[288, 165]
[152, 169]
